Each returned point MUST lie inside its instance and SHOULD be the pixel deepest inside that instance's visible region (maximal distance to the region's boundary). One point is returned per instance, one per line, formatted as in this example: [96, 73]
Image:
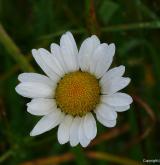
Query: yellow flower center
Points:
[77, 93]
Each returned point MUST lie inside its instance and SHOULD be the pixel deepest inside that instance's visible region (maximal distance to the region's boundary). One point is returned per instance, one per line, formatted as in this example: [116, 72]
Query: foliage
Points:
[133, 26]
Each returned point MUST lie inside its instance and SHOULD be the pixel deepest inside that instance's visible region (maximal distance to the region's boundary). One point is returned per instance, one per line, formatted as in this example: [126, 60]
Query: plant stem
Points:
[67, 157]
[5, 156]
[133, 26]
[111, 158]
[14, 51]
[112, 28]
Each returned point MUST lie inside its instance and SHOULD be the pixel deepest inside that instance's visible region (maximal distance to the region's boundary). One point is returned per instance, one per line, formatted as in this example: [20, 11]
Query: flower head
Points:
[77, 86]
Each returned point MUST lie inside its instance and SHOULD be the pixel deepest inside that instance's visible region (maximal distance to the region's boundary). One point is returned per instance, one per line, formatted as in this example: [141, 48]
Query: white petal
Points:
[64, 129]
[56, 51]
[90, 127]
[114, 85]
[86, 50]
[105, 122]
[47, 122]
[69, 51]
[113, 73]
[34, 90]
[51, 61]
[74, 140]
[101, 59]
[106, 111]
[41, 106]
[117, 99]
[44, 66]
[122, 108]
[35, 77]
[97, 54]
[84, 141]
[111, 49]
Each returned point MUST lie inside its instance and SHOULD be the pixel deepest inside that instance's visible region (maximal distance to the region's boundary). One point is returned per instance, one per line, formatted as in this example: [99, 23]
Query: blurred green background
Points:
[134, 27]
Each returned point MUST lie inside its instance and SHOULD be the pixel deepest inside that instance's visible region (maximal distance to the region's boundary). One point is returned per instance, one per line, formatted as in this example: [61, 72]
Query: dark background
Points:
[133, 25]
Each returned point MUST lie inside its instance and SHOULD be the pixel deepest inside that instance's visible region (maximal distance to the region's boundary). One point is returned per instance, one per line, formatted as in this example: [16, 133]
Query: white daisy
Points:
[78, 84]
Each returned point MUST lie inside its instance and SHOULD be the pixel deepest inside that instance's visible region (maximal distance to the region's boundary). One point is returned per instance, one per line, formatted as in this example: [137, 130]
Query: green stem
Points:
[14, 51]
[133, 26]
[113, 28]
[5, 156]
[112, 158]
[59, 33]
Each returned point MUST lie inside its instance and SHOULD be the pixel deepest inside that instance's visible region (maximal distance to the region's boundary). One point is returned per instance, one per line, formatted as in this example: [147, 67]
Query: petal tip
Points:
[112, 45]
[32, 133]
[68, 32]
[122, 67]
[17, 88]
[128, 79]
[34, 51]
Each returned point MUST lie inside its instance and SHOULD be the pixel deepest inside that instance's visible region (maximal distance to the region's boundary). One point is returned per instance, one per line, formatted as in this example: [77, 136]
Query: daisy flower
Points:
[78, 86]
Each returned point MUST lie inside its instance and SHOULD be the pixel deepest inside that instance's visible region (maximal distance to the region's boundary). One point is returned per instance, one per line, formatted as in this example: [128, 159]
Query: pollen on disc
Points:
[77, 93]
